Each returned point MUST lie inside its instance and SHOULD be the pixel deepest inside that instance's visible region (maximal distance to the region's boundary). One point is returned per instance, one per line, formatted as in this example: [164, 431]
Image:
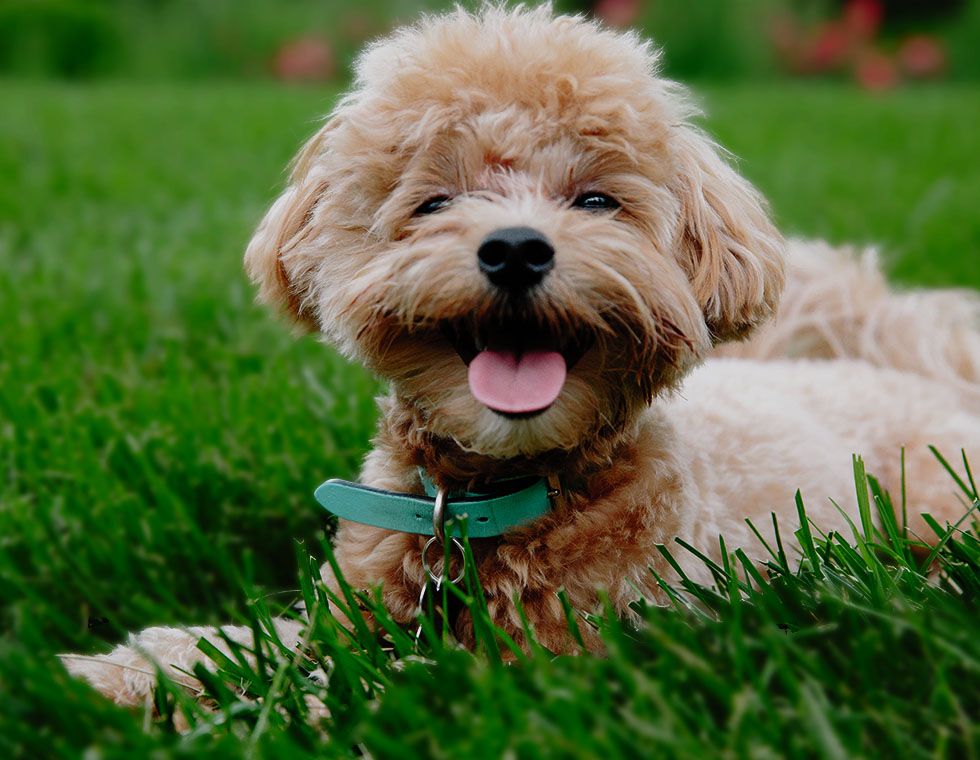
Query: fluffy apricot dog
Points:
[513, 221]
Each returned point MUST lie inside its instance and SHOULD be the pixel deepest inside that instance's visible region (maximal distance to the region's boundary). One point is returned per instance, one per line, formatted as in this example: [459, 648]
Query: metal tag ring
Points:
[428, 568]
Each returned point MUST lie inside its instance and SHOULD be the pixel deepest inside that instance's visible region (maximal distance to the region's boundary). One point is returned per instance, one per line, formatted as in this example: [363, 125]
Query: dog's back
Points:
[837, 304]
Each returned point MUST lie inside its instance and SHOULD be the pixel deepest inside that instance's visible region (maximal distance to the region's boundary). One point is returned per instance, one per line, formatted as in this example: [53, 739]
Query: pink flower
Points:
[618, 13]
[921, 56]
[830, 47]
[863, 18]
[875, 71]
[304, 59]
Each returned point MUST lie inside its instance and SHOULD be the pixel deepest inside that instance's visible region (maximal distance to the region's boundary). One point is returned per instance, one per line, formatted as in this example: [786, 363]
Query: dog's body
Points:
[511, 220]
[734, 443]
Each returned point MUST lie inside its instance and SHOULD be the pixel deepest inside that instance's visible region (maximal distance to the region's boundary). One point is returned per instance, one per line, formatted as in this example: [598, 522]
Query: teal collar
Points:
[487, 514]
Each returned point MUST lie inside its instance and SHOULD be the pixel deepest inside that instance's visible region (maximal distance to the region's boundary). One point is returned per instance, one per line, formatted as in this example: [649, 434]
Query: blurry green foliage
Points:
[63, 38]
[963, 39]
[712, 39]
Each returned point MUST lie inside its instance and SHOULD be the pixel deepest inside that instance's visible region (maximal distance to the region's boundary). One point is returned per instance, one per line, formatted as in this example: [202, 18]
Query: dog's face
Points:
[511, 220]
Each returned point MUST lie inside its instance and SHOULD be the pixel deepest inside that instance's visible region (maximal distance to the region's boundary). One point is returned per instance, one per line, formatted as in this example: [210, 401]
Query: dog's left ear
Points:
[283, 224]
[728, 246]
[270, 258]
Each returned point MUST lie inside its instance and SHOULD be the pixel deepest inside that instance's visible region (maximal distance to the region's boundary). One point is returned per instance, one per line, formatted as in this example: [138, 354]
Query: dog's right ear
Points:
[290, 221]
[730, 248]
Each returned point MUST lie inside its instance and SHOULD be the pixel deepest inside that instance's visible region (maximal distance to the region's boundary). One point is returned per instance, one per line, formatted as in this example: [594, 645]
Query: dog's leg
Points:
[127, 675]
[838, 305]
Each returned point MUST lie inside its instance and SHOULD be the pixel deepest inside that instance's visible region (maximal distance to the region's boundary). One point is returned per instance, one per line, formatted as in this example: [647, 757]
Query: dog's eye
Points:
[432, 205]
[596, 202]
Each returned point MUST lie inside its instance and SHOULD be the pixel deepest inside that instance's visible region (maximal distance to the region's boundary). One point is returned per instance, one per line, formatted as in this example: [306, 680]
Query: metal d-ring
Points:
[438, 579]
[439, 517]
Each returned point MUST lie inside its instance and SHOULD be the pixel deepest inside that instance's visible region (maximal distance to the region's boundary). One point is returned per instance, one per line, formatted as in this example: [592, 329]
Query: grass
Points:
[160, 437]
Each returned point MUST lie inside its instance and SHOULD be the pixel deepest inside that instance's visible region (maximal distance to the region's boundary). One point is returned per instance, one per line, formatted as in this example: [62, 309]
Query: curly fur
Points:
[513, 113]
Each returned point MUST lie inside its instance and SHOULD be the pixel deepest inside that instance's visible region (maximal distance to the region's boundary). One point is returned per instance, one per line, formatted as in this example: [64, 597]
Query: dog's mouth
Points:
[516, 368]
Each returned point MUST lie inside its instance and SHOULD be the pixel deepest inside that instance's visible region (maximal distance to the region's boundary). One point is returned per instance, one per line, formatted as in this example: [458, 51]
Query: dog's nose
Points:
[516, 258]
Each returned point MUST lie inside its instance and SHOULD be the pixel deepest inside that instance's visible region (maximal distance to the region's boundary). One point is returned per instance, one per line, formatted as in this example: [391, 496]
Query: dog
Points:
[512, 220]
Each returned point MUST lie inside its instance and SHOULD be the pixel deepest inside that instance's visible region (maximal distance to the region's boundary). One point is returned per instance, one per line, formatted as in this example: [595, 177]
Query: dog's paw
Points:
[128, 674]
[122, 676]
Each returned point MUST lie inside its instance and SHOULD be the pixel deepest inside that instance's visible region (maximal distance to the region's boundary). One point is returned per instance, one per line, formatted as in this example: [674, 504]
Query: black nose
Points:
[516, 258]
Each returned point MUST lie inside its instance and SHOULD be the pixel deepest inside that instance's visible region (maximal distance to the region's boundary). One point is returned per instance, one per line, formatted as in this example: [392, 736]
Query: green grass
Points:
[160, 437]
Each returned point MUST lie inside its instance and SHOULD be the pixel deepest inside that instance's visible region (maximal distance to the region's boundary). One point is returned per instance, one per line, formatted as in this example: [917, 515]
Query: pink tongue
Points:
[506, 383]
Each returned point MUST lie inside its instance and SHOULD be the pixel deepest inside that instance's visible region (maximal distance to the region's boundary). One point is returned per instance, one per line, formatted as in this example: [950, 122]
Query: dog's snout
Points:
[516, 258]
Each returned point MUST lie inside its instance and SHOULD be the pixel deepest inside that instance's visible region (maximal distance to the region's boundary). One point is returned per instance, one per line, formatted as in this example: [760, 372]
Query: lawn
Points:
[160, 437]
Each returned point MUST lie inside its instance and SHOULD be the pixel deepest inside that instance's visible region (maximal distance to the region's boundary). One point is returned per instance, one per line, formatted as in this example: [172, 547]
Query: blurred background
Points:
[880, 44]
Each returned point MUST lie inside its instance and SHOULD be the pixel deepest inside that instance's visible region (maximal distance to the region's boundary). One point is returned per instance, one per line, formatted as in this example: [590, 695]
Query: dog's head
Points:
[511, 219]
